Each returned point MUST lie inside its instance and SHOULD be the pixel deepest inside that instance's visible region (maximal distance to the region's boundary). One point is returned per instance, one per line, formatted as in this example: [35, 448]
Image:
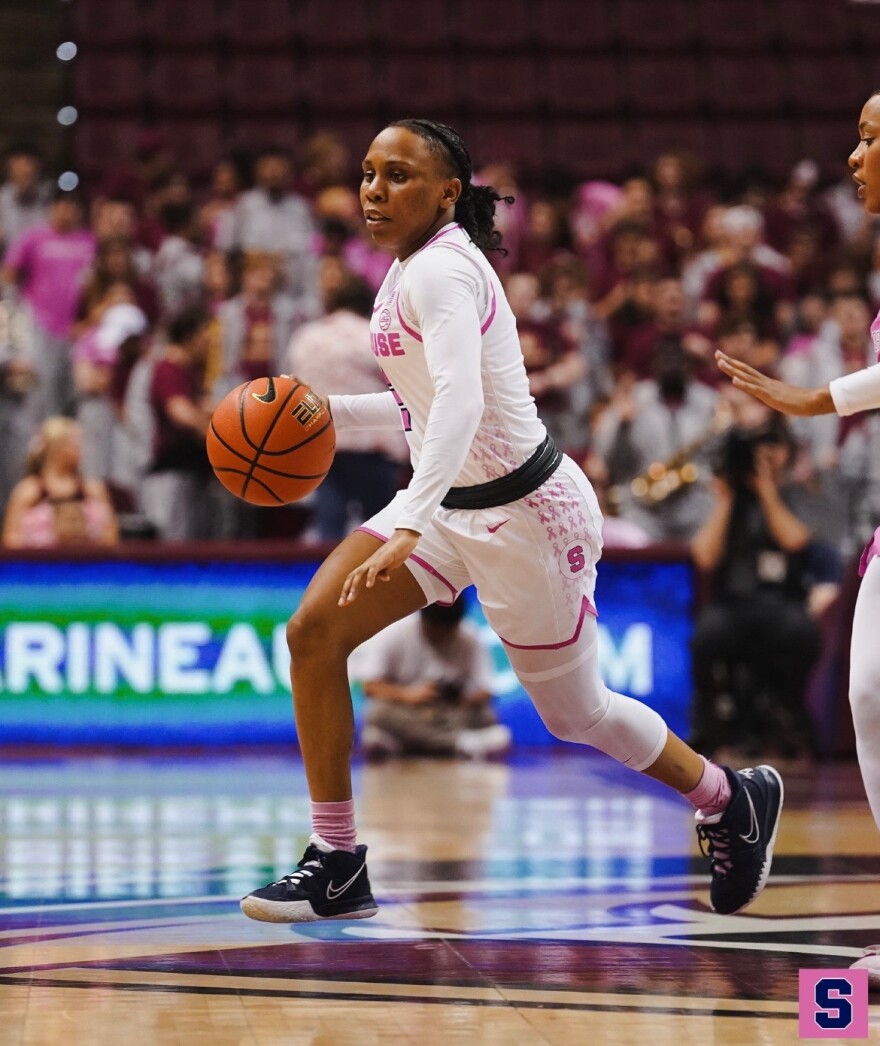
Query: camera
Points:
[735, 459]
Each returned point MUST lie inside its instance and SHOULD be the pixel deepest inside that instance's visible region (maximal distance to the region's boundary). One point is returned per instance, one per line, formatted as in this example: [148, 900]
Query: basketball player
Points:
[492, 502]
[848, 395]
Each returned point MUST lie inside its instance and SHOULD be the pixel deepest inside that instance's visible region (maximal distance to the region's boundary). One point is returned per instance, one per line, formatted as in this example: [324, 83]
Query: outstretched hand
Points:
[384, 560]
[789, 399]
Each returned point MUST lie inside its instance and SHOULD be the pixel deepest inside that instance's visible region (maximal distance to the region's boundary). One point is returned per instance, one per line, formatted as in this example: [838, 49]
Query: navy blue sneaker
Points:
[327, 884]
[739, 841]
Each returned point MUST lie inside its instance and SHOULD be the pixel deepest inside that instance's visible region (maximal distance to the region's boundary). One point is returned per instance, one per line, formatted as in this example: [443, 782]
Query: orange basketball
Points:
[271, 441]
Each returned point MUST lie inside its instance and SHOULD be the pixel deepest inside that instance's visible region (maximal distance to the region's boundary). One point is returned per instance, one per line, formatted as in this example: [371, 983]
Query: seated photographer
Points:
[756, 640]
[427, 679]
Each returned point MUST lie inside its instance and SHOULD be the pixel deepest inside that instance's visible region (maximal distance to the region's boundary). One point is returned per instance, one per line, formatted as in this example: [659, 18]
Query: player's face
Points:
[865, 158]
[406, 194]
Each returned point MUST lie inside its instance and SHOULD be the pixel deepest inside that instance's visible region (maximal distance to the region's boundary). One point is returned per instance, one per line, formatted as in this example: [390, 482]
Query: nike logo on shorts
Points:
[333, 892]
[497, 526]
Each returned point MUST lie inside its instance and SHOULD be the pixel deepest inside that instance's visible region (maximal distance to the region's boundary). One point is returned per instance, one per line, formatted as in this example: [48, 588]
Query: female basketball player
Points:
[848, 395]
[493, 503]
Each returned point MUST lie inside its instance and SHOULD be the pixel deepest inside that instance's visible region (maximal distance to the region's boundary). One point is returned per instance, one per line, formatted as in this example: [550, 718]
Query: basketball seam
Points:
[302, 443]
[266, 435]
[265, 468]
[259, 482]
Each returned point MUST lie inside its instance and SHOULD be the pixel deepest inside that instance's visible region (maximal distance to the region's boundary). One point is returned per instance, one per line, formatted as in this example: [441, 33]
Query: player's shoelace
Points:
[309, 861]
[715, 844]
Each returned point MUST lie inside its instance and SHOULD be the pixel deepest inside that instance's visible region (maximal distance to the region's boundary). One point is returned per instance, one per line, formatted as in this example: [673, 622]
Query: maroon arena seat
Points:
[501, 83]
[428, 83]
[193, 24]
[196, 144]
[107, 23]
[494, 24]
[395, 21]
[594, 149]
[771, 144]
[829, 83]
[260, 25]
[561, 25]
[649, 25]
[266, 83]
[352, 25]
[813, 25]
[671, 84]
[746, 84]
[656, 136]
[829, 142]
[186, 83]
[521, 142]
[102, 143]
[337, 82]
[104, 82]
[583, 84]
[864, 22]
[736, 25]
[252, 134]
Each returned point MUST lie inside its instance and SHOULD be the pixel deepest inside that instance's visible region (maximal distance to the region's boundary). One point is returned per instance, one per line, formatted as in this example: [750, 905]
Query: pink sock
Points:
[712, 794]
[334, 822]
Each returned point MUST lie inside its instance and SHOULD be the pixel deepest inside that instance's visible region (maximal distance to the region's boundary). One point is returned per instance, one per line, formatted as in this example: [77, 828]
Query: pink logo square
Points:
[833, 1004]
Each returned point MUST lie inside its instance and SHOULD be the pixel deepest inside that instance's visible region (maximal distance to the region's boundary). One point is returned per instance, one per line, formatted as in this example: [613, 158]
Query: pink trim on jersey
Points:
[403, 323]
[875, 335]
[443, 232]
[488, 322]
[586, 608]
[424, 564]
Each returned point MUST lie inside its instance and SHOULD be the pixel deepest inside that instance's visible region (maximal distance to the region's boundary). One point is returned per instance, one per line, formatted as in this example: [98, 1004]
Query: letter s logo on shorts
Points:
[575, 557]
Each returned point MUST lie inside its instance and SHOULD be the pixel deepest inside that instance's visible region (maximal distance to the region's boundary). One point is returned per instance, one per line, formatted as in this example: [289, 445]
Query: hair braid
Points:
[475, 208]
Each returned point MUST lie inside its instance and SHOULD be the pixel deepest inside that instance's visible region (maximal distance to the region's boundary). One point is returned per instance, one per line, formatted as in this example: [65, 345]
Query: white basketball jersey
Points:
[445, 337]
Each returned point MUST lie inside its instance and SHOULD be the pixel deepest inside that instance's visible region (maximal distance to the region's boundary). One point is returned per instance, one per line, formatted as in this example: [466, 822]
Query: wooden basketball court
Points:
[558, 899]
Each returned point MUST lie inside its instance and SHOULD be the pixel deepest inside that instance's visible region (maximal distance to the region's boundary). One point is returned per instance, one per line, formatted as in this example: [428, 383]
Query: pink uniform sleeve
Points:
[442, 292]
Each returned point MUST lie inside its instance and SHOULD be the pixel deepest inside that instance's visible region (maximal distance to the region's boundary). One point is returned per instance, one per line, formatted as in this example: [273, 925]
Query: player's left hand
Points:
[384, 560]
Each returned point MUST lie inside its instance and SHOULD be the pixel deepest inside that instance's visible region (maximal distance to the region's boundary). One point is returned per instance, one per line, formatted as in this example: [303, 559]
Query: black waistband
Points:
[515, 485]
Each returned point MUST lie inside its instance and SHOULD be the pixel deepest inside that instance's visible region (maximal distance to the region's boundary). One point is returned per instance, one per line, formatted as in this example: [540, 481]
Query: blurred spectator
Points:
[331, 354]
[271, 219]
[544, 236]
[756, 641]
[24, 196]
[553, 362]
[48, 264]
[260, 303]
[678, 207]
[344, 235]
[110, 345]
[663, 425]
[114, 264]
[324, 162]
[217, 213]
[428, 684]
[57, 503]
[798, 209]
[744, 291]
[178, 267]
[150, 162]
[510, 219]
[175, 489]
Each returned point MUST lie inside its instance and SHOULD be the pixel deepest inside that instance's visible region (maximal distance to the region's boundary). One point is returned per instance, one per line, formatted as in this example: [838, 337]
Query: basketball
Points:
[271, 441]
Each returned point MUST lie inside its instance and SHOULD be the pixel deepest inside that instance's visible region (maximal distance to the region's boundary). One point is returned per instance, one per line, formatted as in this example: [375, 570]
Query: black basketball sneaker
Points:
[739, 841]
[327, 884]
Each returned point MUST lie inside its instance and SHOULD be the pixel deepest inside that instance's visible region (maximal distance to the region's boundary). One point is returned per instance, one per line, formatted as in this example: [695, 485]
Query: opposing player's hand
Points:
[789, 399]
[378, 567]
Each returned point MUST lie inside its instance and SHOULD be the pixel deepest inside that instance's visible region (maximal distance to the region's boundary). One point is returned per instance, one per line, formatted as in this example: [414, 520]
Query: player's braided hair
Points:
[475, 209]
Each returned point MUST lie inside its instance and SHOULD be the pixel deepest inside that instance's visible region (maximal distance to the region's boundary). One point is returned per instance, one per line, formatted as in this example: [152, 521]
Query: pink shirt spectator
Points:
[52, 266]
[333, 354]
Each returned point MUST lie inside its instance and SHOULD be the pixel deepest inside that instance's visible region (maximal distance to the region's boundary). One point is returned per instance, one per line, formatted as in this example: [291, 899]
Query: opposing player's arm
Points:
[789, 399]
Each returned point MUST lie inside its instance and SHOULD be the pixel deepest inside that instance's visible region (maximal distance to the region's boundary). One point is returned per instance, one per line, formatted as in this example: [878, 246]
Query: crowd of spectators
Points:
[134, 309]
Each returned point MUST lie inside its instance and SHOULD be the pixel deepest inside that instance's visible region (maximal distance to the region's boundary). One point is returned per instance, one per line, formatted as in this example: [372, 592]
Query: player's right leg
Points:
[331, 881]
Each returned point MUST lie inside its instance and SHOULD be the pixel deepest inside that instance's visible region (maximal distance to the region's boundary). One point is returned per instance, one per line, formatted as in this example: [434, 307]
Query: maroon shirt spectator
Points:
[176, 399]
